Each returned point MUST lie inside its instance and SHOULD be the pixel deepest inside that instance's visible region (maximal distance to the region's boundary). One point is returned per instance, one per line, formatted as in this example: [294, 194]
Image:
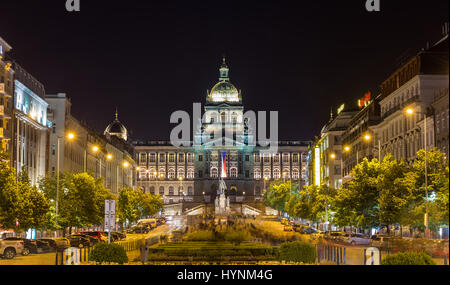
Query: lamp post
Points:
[367, 138]
[410, 111]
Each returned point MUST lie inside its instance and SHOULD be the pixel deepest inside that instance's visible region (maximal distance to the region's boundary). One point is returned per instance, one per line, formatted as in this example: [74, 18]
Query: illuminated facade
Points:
[103, 156]
[31, 127]
[6, 99]
[190, 174]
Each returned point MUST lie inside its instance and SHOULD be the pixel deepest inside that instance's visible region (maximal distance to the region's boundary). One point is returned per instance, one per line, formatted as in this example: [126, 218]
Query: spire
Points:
[331, 113]
[224, 70]
[117, 114]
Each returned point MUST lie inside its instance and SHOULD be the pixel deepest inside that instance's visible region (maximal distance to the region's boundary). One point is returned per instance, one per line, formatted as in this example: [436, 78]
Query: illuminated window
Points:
[276, 158]
[162, 157]
[234, 118]
[181, 157]
[180, 173]
[171, 157]
[267, 173]
[190, 173]
[295, 174]
[214, 172]
[152, 157]
[233, 172]
[276, 173]
[171, 174]
[161, 190]
[257, 173]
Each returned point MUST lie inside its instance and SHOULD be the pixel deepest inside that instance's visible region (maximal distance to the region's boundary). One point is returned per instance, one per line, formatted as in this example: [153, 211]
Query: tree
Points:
[357, 202]
[277, 195]
[81, 199]
[134, 204]
[22, 206]
[394, 195]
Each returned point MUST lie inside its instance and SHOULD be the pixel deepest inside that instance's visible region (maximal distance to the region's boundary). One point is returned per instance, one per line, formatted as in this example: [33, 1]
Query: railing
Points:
[337, 254]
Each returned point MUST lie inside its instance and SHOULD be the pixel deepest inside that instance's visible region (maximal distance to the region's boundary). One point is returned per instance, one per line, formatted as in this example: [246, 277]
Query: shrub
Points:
[297, 251]
[236, 237]
[408, 258]
[104, 252]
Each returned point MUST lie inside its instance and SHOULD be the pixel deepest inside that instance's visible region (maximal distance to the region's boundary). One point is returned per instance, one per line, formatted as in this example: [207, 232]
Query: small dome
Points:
[116, 128]
[224, 91]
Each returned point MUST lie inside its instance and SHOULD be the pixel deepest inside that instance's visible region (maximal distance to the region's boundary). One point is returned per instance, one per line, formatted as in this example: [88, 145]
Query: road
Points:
[49, 258]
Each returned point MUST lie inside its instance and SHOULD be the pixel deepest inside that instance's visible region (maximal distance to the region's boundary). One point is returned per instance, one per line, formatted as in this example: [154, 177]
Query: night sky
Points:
[150, 58]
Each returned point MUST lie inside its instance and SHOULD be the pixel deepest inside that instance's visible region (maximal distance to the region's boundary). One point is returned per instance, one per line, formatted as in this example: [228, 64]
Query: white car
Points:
[357, 239]
[10, 248]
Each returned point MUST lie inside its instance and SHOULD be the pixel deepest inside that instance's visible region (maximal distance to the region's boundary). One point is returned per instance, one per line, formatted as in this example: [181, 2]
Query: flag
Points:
[224, 165]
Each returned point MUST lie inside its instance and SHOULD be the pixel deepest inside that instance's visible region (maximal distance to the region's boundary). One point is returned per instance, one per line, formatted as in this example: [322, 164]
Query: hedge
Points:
[104, 252]
[297, 251]
[408, 258]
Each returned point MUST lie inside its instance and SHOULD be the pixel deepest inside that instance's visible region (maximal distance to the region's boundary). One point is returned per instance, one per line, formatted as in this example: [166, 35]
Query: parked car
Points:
[139, 229]
[335, 236]
[9, 248]
[29, 245]
[160, 221]
[288, 228]
[45, 246]
[308, 230]
[114, 236]
[381, 240]
[121, 235]
[96, 234]
[79, 241]
[55, 243]
[150, 222]
[357, 239]
[284, 221]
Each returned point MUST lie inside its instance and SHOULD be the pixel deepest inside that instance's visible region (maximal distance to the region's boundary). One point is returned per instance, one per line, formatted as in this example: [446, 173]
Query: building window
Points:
[171, 174]
[214, 172]
[161, 190]
[180, 173]
[233, 172]
[257, 157]
[247, 174]
[180, 190]
[142, 174]
[200, 173]
[200, 157]
[257, 173]
[276, 173]
[162, 157]
[170, 190]
[295, 158]
[266, 158]
[190, 173]
[53, 149]
[247, 157]
[295, 174]
[267, 173]
[171, 157]
[190, 190]
[152, 157]
[276, 158]
[234, 118]
[190, 157]
[181, 157]
[286, 155]
[286, 174]
[143, 158]
[152, 190]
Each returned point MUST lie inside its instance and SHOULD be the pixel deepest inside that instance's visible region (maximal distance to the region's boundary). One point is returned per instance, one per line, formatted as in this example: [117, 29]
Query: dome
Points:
[116, 128]
[224, 91]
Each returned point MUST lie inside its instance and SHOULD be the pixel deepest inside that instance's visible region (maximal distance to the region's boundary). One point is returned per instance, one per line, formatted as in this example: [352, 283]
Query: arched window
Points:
[180, 190]
[286, 173]
[276, 173]
[180, 173]
[223, 117]
[152, 190]
[190, 173]
[161, 173]
[214, 172]
[295, 173]
[171, 174]
[257, 173]
[190, 190]
[161, 190]
[267, 173]
[170, 190]
[233, 172]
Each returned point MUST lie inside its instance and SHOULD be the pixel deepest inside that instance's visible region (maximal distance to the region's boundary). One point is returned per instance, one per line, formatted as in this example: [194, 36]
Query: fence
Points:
[132, 244]
[72, 256]
[337, 254]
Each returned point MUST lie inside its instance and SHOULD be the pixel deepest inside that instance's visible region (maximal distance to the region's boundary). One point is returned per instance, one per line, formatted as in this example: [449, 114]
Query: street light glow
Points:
[409, 111]
[109, 156]
[367, 137]
[346, 148]
[126, 164]
[333, 156]
[95, 148]
[70, 136]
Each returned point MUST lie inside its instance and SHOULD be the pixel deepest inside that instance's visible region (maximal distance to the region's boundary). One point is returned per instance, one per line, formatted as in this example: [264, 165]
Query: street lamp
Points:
[70, 136]
[95, 149]
[367, 137]
[109, 156]
[410, 111]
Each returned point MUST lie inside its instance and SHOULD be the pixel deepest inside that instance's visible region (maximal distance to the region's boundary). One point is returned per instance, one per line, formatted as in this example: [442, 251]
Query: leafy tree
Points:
[134, 204]
[22, 206]
[394, 194]
[359, 198]
[277, 195]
